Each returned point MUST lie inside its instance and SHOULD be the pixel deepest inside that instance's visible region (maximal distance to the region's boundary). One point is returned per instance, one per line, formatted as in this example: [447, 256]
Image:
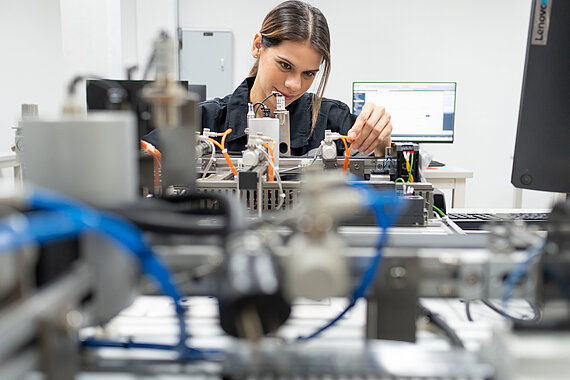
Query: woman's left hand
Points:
[371, 130]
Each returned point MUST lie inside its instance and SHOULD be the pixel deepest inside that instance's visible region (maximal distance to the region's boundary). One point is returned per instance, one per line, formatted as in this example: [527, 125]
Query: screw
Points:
[472, 279]
[398, 272]
[398, 276]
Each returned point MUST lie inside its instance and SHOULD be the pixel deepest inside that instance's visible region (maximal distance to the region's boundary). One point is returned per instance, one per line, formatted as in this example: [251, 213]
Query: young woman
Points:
[291, 50]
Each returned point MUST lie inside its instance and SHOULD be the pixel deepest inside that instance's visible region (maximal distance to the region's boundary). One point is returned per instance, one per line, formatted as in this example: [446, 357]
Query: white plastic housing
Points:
[92, 158]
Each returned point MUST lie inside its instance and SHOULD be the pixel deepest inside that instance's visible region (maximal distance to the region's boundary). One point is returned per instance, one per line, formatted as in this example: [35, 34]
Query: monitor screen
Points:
[421, 111]
[542, 147]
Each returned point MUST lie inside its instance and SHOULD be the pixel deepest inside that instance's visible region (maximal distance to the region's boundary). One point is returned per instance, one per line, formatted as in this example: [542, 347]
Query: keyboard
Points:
[475, 221]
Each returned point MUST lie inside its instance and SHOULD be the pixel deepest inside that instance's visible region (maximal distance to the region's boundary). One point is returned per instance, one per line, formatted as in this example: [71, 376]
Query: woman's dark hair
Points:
[299, 21]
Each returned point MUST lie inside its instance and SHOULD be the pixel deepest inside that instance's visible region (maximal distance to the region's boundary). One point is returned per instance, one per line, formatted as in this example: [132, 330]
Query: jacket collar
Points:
[237, 109]
[299, 115]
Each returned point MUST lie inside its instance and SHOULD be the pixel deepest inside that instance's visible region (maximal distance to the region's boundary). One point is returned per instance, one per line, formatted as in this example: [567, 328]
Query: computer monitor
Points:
[421, 111]
[100, 98]
[542, 147]
[198, 89]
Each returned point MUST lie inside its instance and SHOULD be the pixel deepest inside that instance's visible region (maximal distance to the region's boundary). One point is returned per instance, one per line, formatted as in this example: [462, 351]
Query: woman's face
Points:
[289, 68]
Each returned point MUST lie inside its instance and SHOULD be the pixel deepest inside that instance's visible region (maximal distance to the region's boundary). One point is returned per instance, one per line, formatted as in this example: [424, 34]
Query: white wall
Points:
[105, 37]
[91, 47]
[48, 42]
[480, 44]
[31, 68]
[152, 17]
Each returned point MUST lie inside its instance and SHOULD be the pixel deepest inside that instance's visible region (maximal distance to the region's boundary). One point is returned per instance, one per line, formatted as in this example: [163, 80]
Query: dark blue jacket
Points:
[231, 112]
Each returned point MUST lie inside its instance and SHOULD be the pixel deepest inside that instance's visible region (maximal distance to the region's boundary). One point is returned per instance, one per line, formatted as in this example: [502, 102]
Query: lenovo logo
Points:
[541, 22]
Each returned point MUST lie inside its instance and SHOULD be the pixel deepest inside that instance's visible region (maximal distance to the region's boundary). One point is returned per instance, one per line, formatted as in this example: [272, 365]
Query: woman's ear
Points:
[256, 48]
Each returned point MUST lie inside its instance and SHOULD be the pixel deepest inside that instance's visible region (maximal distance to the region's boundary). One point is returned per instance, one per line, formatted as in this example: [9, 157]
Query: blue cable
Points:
[367, 279]
[62, 217]
[368, 276]
[386, 207]
[121, 231]
[193, 353]
[386, 161]
[36, 227]
[385, 204]
[126, 235]
[513, 277]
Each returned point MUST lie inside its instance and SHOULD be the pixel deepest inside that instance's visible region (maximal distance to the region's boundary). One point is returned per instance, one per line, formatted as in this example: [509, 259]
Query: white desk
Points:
[450, 178]
[9, 160]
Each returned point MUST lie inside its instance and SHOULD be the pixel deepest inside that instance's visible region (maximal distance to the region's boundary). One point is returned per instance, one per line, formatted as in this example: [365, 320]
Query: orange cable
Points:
[224, 135]
[346, 151]
[156, 158]
[230, 163]
[150, 149]
[215, 142]
[269, 167]
[226, 155]
[156, 171]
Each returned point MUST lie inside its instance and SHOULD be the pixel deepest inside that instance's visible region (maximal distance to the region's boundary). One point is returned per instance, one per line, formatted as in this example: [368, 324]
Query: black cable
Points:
[262, 103]
[185, 215]
[229, 205]
[149, 64]
[165, 222]
[130, 71]
[537, 312]
[73, 83]
[256, 107]
[468, 310]
[437, 321]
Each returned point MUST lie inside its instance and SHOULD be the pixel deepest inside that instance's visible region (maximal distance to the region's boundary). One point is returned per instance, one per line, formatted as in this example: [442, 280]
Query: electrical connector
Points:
[250, 113]
[72, 107]
[331, 136]
[280, 101]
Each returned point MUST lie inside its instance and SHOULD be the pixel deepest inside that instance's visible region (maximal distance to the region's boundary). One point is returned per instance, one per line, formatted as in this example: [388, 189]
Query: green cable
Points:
[401, 180]
[433, 206]
[437, 209]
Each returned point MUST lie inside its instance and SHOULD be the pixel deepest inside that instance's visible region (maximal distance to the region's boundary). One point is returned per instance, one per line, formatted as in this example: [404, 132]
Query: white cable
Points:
[291, 168]
[276, 172]
[211, 161]
[319, 151]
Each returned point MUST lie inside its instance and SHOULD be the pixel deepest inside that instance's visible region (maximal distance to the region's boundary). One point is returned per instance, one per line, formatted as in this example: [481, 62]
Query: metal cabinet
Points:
[206, 57]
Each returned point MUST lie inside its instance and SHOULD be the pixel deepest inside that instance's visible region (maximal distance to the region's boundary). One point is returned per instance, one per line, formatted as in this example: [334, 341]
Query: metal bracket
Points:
[391, 312]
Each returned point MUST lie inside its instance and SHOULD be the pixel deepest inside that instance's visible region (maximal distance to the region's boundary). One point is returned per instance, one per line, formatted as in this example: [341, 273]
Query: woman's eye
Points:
[285, 65]
[309, 74]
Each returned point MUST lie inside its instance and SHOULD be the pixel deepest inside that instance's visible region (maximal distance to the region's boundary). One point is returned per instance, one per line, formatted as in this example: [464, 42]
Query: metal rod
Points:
[18, 323]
